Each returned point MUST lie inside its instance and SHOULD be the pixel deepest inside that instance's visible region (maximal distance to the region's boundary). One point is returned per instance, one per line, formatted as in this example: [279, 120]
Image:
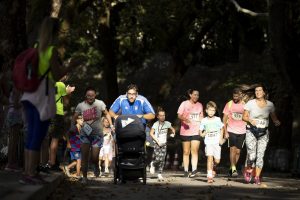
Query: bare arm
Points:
[183, 119]
[225, 119]
[246, 118]
[153, 136]
[275, 119]
[107, 115]
[148, 116]
[113, 114]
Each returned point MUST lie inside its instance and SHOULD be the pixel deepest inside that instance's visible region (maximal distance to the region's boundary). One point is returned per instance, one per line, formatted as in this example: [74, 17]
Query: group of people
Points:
[92, 129]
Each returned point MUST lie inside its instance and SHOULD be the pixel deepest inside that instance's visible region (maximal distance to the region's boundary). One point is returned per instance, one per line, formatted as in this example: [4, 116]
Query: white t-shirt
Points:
[161, 131]
[260, 115]
[212, 127]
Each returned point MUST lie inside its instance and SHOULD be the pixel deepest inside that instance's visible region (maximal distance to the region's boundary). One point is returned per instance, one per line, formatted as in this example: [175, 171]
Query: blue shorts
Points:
[75, 155]
[94, 140]
[36, 129]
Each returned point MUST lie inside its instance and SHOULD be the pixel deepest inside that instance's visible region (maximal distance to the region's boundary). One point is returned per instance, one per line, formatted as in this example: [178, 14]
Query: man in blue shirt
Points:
[132, 104]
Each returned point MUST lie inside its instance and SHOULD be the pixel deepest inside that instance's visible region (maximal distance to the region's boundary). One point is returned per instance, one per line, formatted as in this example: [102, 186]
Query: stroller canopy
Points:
[129, 126]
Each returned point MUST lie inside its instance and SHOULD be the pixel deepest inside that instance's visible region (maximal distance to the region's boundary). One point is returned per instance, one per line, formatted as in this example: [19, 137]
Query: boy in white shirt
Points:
[211, 127]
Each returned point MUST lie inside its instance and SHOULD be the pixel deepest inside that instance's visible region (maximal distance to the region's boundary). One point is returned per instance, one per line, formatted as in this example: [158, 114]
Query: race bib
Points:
[261, 123]
[212, 133]
[195, 117]
[237, 116]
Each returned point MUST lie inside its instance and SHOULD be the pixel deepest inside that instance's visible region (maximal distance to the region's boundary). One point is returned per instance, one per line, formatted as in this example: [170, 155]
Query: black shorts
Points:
[57, 127]
[190, 138]
[236, 140]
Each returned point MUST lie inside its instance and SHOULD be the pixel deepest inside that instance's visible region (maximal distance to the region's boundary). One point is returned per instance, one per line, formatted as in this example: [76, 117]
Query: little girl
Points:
[107, 152]
[159, 133]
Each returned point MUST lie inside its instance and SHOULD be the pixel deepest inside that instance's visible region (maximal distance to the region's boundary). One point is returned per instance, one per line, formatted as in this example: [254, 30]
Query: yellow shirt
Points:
[60, 93]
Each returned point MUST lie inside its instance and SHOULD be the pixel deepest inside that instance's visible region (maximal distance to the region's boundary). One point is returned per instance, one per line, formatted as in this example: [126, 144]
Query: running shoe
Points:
[12, 168]
[152, 168]
[234, 173]
[160, 177]
[186, 174]
[247, 175]
[67, 171]
[96, 171]
[257, 180]
[84, 180]
[193, 174]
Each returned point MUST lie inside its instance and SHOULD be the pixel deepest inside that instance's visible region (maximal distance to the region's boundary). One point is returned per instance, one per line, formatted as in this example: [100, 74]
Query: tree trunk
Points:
[285, 60]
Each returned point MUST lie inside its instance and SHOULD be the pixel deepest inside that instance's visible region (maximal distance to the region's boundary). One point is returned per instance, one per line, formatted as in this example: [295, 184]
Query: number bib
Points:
[195, 117]
[261, 123]
[237, 116]
[212, 134]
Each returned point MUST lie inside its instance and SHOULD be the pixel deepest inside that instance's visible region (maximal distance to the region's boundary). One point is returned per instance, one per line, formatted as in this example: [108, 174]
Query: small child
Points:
[74, 139]
[107, 150]
[159, 133]
[211, 128]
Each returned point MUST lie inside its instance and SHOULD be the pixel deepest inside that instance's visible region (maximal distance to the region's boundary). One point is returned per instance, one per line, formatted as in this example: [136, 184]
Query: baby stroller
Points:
[130, 162]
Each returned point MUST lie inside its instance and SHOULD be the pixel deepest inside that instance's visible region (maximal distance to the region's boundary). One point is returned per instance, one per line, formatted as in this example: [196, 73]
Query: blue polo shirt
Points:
[139, 107]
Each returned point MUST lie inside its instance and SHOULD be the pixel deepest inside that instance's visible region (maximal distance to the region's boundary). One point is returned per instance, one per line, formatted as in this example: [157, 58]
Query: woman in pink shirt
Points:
[190, 113]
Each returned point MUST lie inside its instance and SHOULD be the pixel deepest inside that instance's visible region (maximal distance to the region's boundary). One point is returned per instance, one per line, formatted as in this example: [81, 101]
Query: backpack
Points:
[25, 71]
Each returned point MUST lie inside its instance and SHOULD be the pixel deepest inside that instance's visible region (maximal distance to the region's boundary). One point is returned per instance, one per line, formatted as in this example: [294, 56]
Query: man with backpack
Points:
[235, 128]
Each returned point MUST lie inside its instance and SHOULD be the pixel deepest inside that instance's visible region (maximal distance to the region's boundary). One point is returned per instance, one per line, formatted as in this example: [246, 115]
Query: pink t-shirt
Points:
[194, 112]
[235, 124]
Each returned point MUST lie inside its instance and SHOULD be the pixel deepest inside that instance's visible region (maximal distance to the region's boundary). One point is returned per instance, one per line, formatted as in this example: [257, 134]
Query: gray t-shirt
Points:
[161, 131]
[260, 115]
[92, 114]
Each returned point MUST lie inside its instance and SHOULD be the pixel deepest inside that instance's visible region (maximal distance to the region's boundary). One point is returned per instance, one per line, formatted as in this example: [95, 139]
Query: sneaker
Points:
[152, 168]
[106, 171]
[43, 168]
[234, 173]
[84, 180]
[257, 180]
[32, 180]
[67, 171]
[12, 168]
[160, 177]
[186, 174]
[193, 174]
[96, 171]
[247, 175]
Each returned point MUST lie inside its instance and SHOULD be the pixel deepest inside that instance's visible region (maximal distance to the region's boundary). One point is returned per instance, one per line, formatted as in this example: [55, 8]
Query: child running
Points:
[159, 133]
[107, 151]
[211, 128]
[74, 139]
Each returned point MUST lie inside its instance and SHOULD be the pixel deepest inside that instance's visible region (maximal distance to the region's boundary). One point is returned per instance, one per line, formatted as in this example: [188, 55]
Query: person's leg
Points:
[78, 166]
[95, 160]
[162, 157]
[84, 149]
[194, 151]
[53, 151]
[251, 144]
[261, 148]
[186, 146]
[14, 136]
[209, 168]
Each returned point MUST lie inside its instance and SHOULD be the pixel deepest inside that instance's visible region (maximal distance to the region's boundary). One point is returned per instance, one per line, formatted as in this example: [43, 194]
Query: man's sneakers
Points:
[152, 168]
[186, 174]
[234, 173]
[160, 177]
[193, 174]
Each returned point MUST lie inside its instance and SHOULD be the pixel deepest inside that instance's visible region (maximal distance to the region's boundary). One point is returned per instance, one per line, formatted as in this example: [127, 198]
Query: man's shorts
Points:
[190, 138]
[213, 150]
[236, 140]
[57, 127]
[75, 155]
[92, 139]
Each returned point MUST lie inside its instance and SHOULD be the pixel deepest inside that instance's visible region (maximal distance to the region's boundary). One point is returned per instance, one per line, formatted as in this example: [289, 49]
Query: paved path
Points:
[177, 187]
